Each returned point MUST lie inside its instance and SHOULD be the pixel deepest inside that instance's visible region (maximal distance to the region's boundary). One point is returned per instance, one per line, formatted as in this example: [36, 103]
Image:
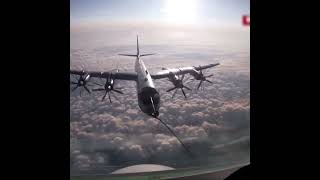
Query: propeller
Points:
[202, 78]
[108, 88]
[178, 84]
[81, 83]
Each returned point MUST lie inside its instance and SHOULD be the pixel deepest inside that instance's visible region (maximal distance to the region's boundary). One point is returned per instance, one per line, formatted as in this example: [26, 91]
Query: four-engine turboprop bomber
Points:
[148, 96]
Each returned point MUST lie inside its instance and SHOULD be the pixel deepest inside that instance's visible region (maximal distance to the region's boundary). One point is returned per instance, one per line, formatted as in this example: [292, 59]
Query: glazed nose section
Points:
[155, 114]
[149, 101]
[155, 104]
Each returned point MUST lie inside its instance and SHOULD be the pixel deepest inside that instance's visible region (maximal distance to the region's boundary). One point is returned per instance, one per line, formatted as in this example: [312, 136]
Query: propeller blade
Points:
[74, 88]
[74, 78]
[184, 93]
[109, 97]
[104, 96]
[85, 87]
[199, 85]
[115, 90]
[187, 87]
[209, 81]
[209, 76]
[99, 89]
[182, 77]
[80, 91]
[73, 82]
[175, 92]
[171, 89]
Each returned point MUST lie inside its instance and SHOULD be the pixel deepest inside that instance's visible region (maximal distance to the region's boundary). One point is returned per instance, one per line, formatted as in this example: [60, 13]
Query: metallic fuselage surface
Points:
[148, 97]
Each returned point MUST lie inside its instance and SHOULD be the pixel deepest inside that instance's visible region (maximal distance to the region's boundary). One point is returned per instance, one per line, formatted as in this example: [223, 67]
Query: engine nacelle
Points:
[173, 77]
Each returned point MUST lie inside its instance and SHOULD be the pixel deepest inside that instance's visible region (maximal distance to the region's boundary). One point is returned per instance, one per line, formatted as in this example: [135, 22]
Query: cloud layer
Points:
[212, 122]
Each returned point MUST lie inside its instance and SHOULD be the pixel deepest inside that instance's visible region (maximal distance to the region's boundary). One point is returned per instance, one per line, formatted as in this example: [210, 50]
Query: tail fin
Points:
[131, 55]
[138, 51]
[147, 54]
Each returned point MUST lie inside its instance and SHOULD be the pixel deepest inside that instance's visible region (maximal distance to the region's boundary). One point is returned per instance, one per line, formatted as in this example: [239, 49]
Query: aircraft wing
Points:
[180, 71]
[129, 76]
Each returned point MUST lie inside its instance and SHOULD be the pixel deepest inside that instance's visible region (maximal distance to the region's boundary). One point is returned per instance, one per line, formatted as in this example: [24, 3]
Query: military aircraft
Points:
[148, 96]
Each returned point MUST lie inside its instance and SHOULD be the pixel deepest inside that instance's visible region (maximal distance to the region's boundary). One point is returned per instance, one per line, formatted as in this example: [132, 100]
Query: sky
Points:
[214, 122]
[172, 11]
[98, 23]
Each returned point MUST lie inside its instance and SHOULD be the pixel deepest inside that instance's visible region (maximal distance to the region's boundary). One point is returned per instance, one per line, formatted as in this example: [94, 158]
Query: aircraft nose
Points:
[155, 114]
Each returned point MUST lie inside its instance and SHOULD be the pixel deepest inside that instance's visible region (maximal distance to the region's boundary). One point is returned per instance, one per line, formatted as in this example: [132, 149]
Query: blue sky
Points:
[176, 11]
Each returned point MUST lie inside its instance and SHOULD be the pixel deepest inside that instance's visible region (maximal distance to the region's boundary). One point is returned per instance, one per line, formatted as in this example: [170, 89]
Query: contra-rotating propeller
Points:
[81, 83]
[202, 78]
[178, 84]
[108, 87]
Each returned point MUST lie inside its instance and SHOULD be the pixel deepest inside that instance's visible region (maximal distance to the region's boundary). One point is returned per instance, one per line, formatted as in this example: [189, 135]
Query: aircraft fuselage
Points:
[148, 96]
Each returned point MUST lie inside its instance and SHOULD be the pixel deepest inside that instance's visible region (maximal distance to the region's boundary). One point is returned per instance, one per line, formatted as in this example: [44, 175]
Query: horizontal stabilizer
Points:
[131, 55]
[146, 54]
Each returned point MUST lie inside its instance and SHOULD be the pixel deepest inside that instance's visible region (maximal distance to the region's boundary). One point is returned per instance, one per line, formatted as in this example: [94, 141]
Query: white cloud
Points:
[100, 129]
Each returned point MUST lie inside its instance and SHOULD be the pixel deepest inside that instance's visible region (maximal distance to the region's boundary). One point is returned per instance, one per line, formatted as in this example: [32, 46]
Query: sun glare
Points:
[180, 11]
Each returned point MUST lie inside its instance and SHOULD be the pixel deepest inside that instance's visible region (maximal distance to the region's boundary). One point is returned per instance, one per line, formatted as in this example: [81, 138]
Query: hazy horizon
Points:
[213, 122]
[194, 12]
